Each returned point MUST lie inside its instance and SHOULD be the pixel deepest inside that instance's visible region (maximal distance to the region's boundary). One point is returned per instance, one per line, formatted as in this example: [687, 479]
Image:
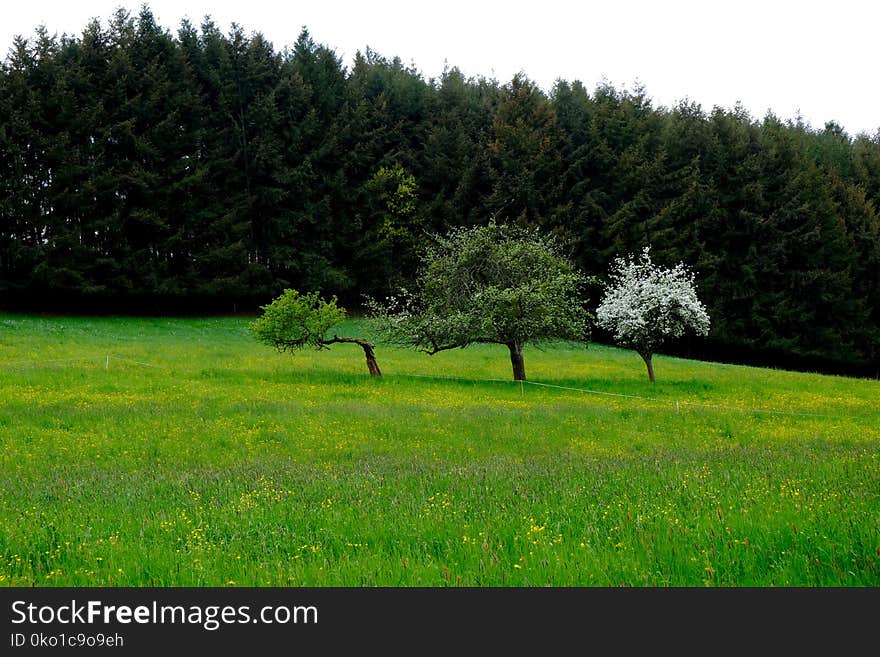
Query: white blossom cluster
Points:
[645, 304]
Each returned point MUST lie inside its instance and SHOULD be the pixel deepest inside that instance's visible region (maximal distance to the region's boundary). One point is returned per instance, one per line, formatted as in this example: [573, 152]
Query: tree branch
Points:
[437, 348]
[358, 341]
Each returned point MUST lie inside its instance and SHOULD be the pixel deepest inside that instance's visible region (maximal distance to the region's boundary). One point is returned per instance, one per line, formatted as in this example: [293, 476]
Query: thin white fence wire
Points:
[594, 392]
[136, 362]
[106, 358]
[49, 360]
[756, 410]
[678, 403]
[456, 378]
[604, 393]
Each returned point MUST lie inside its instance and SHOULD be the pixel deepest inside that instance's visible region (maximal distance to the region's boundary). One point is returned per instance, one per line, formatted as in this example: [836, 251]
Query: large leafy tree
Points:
[645, 305]
[491, 284]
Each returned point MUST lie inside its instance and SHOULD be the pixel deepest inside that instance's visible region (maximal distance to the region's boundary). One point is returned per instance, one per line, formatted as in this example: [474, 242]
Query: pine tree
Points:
[526, 163]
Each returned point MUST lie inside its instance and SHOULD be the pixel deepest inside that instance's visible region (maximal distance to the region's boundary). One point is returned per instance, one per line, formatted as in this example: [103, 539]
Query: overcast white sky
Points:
[816, 59]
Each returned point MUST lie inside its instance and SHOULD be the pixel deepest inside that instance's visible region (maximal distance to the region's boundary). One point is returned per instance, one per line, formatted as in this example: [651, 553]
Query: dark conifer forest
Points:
[146, 171]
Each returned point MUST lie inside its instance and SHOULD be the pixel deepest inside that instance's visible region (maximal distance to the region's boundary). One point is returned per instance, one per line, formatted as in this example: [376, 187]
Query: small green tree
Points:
[294, 321]
[490, 284]
[387, 253]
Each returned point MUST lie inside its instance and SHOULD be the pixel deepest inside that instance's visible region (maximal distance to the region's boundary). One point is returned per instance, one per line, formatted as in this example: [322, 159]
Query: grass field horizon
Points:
[180, 452]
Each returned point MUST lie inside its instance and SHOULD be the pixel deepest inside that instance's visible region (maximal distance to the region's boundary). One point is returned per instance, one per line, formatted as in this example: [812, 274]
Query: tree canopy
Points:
[295, 321]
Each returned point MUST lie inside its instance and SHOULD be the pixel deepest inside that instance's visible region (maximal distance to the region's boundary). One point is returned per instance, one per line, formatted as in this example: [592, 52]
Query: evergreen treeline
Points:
[142, 170]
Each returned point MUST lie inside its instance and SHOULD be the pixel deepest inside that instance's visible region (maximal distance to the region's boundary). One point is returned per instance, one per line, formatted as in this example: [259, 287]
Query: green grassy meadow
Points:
[180, 452]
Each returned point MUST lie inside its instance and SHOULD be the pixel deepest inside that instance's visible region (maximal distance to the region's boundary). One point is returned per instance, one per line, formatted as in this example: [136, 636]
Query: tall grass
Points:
[181, 452]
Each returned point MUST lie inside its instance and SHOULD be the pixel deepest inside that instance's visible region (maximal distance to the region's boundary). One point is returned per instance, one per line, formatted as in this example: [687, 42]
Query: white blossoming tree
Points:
[645, 305]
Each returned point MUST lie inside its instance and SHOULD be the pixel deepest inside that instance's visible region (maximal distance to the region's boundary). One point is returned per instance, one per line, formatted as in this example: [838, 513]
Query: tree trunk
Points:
[649, 363]
[516, 359]
[372, 365]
